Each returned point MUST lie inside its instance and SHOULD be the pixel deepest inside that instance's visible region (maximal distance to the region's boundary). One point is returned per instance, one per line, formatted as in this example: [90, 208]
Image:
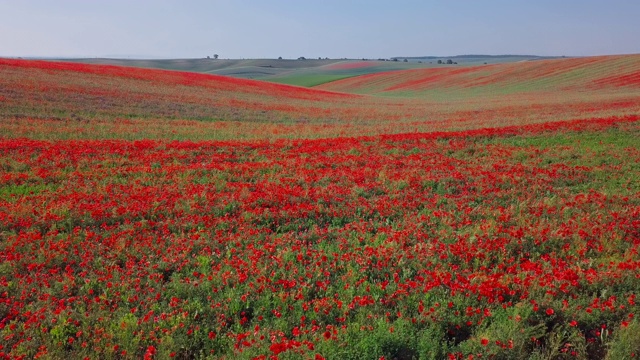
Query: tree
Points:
[302, 58]
[405, 60]
[279, 57]
[215, 56]
[439, 61]
[449, 61]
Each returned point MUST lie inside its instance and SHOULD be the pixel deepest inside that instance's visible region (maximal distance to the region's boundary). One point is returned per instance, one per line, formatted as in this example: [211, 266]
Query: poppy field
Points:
[62, 101]
[136, 222]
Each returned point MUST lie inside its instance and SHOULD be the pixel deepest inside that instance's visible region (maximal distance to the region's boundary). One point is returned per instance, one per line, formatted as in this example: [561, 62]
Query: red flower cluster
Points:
[144, 248]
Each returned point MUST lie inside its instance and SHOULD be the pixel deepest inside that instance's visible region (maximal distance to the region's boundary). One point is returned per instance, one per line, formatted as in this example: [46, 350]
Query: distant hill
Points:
[241, 68]
[307, 72]
[477, 59]
[577, 75]
[300, 72]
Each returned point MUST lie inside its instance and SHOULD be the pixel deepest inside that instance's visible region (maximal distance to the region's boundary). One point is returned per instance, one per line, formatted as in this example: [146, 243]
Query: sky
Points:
[316, 28]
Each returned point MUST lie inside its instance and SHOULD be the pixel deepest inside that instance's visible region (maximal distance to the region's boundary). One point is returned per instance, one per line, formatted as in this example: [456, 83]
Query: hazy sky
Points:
[312, 28]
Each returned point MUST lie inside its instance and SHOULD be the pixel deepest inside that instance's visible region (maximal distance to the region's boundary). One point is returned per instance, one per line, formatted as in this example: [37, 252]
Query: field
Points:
[451, 213]
[339, 70]
[79, 101]
[577, 75]
[308, 72]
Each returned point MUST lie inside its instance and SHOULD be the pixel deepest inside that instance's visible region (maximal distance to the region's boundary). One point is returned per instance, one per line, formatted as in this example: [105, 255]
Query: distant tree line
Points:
[449, 61]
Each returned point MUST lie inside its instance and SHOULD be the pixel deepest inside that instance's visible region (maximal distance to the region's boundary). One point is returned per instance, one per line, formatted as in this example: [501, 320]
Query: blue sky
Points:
[310, 28]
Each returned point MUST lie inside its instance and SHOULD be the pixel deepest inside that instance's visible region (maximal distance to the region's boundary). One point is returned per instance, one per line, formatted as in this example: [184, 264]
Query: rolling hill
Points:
[94, 101]
[575, 74]
[307, 72]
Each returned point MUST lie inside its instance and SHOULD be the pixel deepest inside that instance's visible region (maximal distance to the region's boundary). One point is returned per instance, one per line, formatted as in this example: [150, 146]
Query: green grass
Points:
[585, 141]
[596, 151]
[13, 192]
[307, 80]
